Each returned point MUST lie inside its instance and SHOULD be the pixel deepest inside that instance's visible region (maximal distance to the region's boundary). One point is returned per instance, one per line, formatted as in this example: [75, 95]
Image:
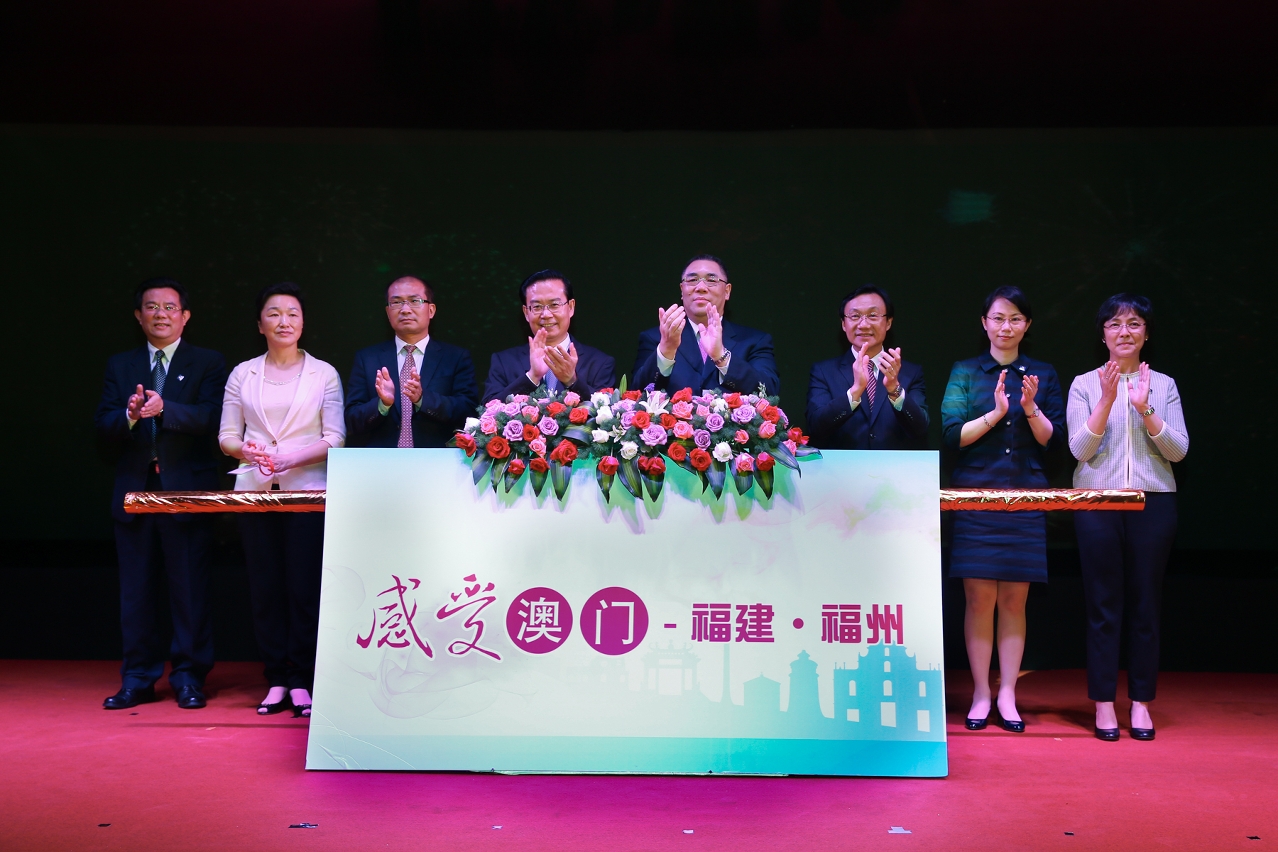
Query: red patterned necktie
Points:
[405, 404]
[869, 386]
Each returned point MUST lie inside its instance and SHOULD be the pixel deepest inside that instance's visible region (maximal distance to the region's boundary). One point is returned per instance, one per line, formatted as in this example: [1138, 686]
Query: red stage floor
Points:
[221, 778]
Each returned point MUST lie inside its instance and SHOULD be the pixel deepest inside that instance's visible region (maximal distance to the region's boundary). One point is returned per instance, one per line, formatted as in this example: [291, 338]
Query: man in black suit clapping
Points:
[159, 415]
[550, 356]
[412, 391]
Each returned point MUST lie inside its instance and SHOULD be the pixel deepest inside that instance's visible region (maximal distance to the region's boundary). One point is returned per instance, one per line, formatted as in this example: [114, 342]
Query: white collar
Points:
[563, 344]
[400, 344]
[168, 351]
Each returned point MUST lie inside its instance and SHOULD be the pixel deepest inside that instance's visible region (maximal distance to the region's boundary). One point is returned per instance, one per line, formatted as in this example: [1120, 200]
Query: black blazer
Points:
[448, 396]
[752, 362]
[835, 426]
[186, 437]
[508, 372]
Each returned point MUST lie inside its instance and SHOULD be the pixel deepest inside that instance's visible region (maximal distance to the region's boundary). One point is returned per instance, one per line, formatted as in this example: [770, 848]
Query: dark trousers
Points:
[153, 549]
[1124, 557]
[284, 552]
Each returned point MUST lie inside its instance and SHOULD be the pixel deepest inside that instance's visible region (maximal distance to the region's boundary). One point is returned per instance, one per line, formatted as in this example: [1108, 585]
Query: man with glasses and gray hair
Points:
[693, 346]
[550, 356]
[868, 399]
[412, 391]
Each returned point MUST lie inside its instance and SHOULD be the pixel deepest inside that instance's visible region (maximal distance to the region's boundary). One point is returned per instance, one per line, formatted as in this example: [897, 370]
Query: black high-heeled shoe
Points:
[280, 706]
[1145, 734]
[1109, 735]
[1017, 727]
[977, 724]
[301, 711]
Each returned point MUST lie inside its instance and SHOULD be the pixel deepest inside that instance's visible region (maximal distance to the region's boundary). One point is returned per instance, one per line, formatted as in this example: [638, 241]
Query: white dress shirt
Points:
[383, 408]
[665, 367]
[165, 362]
[562, 346]
[875, 370]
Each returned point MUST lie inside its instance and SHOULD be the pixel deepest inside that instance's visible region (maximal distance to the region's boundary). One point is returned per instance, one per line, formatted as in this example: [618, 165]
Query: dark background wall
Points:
[815, 144]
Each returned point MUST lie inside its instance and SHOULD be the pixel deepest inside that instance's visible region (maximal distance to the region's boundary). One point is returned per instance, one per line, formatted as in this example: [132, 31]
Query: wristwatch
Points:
[900, 389]
[719, 362]
[1148, 411]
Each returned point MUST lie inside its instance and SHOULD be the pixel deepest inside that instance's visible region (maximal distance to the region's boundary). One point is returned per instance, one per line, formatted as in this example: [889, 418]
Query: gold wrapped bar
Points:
[1039, 499]
[952, 500]
[178, 502]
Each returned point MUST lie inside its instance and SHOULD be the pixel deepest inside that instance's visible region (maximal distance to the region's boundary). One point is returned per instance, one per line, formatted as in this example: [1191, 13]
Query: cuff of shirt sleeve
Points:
[727, 362]
[664, 367]
[129, 420]
[855, 403]
[898, 402]
[382, 408]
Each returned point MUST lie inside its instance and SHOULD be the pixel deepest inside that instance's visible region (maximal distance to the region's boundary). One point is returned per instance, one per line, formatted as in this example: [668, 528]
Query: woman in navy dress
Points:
[1003, 412]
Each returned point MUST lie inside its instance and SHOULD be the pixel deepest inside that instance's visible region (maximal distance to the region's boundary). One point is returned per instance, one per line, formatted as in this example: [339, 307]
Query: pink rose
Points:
[767, 430]
[520, 398]
[683, 430]
[703, 411]
[488, 424]
[538, 446]
[742, 437]
[571, 399]
[531, 413]
[491, 404]
[682, 410]
[790, 445]
[745, 464]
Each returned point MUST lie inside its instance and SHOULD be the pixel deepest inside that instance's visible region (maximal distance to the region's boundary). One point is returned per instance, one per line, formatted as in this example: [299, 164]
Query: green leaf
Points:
[653, 484]
[479, 465]
[687, 465]
[717, 475]
[743, 481]
[622, 387]
[538, 480]
[783, 455]
[765, 480]
[808, 453]
[577, 434]
[630, 478]
[499, 467]
[511, 479]
[560, 476]
[605, 482]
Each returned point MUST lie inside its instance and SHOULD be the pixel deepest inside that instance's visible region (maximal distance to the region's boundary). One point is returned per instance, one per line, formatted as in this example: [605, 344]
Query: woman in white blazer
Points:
[282, 413]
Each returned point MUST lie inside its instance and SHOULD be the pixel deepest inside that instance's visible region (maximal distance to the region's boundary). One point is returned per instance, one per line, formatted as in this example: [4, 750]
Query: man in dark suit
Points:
[869, 399]
[411, 391]
[693, 346]
[159, 416]
[550, 355]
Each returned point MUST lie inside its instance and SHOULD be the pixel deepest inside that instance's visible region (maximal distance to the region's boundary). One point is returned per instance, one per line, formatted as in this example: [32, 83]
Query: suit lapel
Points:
[175, 376]
[305, 385]
[256, 380]
[430, 362]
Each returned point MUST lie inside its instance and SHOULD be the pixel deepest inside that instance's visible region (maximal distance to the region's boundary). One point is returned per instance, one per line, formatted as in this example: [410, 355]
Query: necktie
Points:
[700, 330]
[405, 405]
[869, 386]
[157, 382]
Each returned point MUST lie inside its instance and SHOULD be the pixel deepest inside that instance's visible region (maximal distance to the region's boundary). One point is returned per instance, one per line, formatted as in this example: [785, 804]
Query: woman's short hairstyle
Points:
[1014, 295]
[285, 288]
[1120, 303]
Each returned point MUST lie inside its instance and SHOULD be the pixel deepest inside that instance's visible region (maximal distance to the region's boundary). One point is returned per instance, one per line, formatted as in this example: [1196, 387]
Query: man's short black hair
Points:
[284, 288]
[710, 258]
[430, 291]
[1014, 295]
[157, 284]
[544, 275]
[1121, 303]
[869, 289]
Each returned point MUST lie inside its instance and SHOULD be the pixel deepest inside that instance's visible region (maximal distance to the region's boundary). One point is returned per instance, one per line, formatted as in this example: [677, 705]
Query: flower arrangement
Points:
[633, 434]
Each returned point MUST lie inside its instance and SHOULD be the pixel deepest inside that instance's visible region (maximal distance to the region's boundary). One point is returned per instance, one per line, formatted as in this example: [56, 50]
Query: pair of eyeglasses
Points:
[156, 308]
[856, 318]
[415, 302]
[1130, 325]
[690, 281]
[1016, 321]
[554, 307]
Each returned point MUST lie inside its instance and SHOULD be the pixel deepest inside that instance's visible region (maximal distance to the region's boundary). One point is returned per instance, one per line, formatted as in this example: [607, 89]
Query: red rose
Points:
[634, 395]
[565, 452]
[555, 409]
[733, 400]
[771, 414]
[642, 463]
[745, 464]
[465, 442]
[539, 465]
[741, 437]
[579, 416]
[641, 420]
[516, 467]
[606, 391]
[668, 421]
[699, 459]
[608, 465]
[796, 435]
[684, 395]
[497, 447]
[656, 466]
[677, 452]
[765, 462]
[531, 432]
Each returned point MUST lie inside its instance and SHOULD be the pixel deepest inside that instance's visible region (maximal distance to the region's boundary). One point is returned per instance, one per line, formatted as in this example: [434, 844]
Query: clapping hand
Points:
[562, 364]
[538, 367]
[413, 387]
[890, 364]
[1109, 382]
[136, 401]
[670, 320]
[1000, 396]
[1138, 391]
[154, 405]
[712, 337]
[860, 371]
[1029, 387]
[385, 387]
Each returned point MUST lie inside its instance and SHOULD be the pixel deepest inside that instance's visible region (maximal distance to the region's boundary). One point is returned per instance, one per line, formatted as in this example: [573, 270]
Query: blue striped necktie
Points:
[157, 381]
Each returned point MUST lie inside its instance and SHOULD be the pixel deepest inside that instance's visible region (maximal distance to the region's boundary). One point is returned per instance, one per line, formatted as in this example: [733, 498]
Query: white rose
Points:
[720, 405]
[472, 424]
[600, 436]
[630, 449]
[599, 400]
[603, 415]
[722, 452]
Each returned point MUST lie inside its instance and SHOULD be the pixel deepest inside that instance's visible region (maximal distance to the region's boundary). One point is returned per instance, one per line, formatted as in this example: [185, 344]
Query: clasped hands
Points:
[1137, 391]
[144, 404]
[671, 320]
[385, 387]
[267, 464]
[543, 359]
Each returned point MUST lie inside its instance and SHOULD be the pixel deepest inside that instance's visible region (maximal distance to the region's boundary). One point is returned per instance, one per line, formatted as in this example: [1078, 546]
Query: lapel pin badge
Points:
[180, 378]
[1022, 369]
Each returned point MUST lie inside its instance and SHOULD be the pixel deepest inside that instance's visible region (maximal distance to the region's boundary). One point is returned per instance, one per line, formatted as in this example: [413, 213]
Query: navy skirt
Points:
[1009, 546]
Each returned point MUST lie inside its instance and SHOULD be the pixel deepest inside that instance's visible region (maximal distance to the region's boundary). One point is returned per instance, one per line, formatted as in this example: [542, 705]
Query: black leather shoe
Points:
[976, 724]
[1142, 733]
[190, 698]
[280, 706]
[130, 697]
[1014, 727]
[1109, 735]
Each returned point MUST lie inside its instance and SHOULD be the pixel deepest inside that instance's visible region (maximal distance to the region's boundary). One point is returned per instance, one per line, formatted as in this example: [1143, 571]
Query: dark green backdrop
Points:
[1186, 217]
